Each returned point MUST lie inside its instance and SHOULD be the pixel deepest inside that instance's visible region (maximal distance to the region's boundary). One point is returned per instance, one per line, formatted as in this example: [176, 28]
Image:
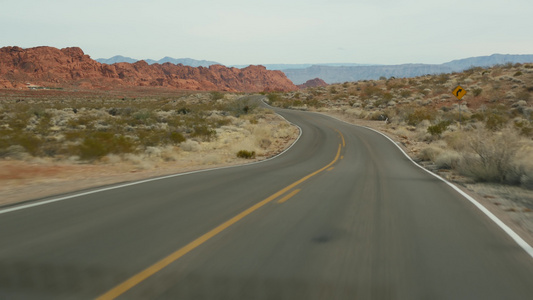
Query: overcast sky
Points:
[274, 31]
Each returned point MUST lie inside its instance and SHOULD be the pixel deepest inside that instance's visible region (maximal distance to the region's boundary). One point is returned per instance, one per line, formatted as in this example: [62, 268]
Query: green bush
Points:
[246, 154]
[439, 128]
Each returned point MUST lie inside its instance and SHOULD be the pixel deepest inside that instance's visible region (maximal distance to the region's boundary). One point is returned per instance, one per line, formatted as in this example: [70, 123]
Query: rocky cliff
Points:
[317, 82]
[70, 67]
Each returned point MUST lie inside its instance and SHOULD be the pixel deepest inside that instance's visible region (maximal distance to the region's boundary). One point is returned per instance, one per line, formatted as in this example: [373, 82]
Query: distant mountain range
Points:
[303, 66]
[338, 74]
[342, 72]
[206, 63]
[184, 61]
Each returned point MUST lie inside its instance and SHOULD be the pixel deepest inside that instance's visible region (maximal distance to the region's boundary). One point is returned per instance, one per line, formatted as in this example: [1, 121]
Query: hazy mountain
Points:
[488, 61]
[301, 66]
[337, 74]
[184, 61]
[116, 59]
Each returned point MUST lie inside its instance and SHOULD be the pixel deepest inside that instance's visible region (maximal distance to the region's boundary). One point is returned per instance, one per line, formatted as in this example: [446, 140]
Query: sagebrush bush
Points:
[242, 106]
[447, 159]
[246, 154]
[495, 121]
[491, 156]
[429, 153]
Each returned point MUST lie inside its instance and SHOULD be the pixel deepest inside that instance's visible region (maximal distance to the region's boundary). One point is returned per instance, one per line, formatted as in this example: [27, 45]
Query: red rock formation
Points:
[312, 83]
[70, 67]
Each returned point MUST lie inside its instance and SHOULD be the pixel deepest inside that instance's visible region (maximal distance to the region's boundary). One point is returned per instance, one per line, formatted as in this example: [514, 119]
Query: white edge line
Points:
[38, 203]
[521, 242]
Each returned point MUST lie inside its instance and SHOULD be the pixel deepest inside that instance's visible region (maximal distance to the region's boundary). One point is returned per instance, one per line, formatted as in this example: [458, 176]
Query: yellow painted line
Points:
[290, 195]
[342, 137]
[158, 266]
[331, 168]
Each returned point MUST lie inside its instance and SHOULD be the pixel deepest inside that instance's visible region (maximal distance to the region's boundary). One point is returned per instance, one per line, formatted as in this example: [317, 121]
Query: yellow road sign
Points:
[459, 92]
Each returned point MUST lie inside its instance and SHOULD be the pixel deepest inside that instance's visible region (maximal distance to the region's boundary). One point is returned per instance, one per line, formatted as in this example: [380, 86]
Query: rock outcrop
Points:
[317, 82]
[70, 67]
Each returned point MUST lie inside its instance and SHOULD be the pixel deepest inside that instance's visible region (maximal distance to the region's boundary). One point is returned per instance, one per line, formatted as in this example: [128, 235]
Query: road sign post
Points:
[459, 92]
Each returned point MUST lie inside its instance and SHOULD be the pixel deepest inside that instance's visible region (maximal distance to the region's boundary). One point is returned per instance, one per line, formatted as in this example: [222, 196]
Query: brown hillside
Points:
[70, 67]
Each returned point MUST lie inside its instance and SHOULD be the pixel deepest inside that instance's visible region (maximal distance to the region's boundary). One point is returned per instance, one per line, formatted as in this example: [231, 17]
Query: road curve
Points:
[343, 214]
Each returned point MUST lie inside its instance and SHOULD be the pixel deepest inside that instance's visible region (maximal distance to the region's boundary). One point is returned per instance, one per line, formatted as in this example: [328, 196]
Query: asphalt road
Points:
[343, 214]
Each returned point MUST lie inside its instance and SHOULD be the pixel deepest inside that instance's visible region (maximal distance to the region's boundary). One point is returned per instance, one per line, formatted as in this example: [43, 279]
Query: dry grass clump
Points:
[492, 157]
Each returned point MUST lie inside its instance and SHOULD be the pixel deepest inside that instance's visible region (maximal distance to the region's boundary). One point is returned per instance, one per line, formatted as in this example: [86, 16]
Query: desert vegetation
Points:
[63, 126]
[55, 141]
[487, 136]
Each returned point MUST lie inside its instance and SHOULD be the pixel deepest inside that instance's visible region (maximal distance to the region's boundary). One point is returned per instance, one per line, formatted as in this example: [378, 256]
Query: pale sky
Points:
[274, 31]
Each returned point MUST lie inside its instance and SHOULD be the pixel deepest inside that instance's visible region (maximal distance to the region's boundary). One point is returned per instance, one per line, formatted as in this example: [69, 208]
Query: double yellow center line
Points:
[158, 266]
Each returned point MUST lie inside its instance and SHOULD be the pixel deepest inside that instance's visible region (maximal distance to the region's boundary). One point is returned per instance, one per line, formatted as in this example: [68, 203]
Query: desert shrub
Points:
[176, 137]
[524, 94]
[420, 114]
[439, 128]
[379, 116]
[370, 90]
[30, 142]
[246, 154]
[99, 144]
[429, 153]
[477, 92]
[491, 156]
[183, 111]
[203, 131]
[406, 93]
[241, 106]
[265, 143]
[83, 120]
[442, 78]
[447, 159]
[190, 146]
[273, 97]
[14, 151]
[524, 127]
[217, 95]
[495, 121]
[143, 116]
